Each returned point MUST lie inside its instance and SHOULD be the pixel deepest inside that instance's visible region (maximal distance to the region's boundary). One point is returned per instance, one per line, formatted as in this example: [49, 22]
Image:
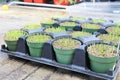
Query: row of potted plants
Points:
[86, 26]
[64, 47]
[79, 19]
[78, 23]
[113, 31]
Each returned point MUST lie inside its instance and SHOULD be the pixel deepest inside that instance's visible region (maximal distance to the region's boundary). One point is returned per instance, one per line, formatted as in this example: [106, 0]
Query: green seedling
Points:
[117, 23]
[102, 50]
[60, 16]
[109, 38]
[49, 30]
[77, 18]
[32, 26]
[69, 24]
[90, 26]
[66, 43]
[13, 35]
[98, 20]
[77, 33]
[38, 38]
[48, 21]
[114, 30]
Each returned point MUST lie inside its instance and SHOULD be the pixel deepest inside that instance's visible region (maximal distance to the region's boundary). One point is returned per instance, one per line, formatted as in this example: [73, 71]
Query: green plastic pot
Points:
[35, 49]
[12, 45]
[67, 27]
[100, 64]
[46, 25]
[89, 30]
[64, 56]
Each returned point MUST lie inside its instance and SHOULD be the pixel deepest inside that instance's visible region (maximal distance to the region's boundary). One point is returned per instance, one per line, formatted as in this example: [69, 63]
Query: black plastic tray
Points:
[80, 62]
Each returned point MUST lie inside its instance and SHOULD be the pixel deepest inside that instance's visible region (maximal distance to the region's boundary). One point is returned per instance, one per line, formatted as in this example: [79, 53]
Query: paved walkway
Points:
[17, 69]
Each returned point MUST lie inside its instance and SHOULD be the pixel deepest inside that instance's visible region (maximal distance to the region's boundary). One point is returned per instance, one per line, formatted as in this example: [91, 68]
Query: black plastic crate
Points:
[80, 68]
[48, 57]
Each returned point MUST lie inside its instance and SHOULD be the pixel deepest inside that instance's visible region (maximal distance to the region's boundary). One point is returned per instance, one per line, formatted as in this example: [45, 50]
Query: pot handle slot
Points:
[118, 48]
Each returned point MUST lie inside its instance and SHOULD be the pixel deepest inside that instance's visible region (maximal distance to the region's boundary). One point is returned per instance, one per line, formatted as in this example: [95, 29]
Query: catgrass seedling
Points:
[90, 26]
[13, 35]
[78, 33]
[32, 26]
[69, 24]
[109, 38]
[102, 50]
[48, 21]
[114, 30]
[50, 30]
[38, 38]
[66, 43]
[77, 18]
[98, 20]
